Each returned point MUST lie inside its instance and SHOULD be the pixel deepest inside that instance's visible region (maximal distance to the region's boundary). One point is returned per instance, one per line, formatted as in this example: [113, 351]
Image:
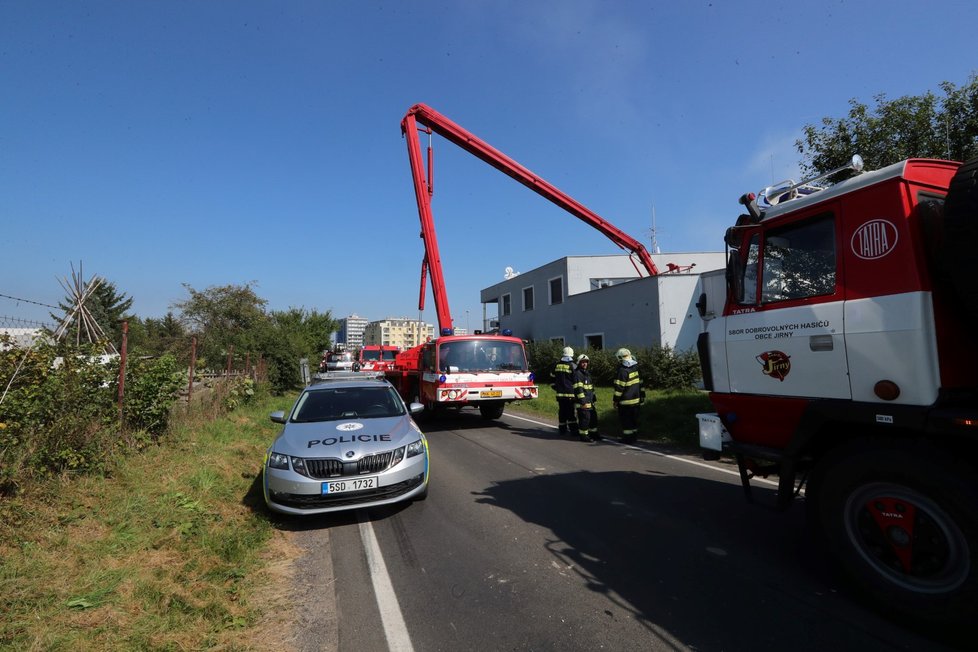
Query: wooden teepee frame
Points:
[80, 292]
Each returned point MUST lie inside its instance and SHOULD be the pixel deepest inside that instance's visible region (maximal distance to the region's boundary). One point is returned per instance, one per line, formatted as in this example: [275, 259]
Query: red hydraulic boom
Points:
[432, 121]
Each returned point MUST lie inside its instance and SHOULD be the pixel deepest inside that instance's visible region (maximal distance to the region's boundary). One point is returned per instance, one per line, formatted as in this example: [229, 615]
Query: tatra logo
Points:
[349, 426]
[874, 239]
[775, 364]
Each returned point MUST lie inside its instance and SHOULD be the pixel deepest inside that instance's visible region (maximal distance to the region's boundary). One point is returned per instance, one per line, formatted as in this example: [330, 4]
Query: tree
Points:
[294, 334]
[159, 336]
[223, 317]
[923, 126]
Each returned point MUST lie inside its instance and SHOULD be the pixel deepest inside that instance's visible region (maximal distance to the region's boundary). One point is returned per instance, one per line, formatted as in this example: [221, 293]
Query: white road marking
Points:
[398, 639]
[645, 450]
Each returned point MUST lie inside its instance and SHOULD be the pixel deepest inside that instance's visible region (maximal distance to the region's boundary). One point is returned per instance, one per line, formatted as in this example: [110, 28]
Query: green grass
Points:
[667, 416]
[167, 552]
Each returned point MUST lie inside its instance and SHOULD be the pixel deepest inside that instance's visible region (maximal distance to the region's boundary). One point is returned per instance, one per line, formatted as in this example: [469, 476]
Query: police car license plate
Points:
[494, 393]
[353, 484]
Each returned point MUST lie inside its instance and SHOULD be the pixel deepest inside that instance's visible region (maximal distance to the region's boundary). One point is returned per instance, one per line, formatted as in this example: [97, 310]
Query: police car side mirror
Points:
[277, 417]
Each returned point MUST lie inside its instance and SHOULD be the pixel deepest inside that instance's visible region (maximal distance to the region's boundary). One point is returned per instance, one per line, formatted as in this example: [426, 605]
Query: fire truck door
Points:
[798, 351]
[788, 338]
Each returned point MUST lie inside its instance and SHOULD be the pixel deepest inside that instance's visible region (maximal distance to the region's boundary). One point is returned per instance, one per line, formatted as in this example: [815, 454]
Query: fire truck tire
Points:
[960, 237]
[490, 411]
[902, 522]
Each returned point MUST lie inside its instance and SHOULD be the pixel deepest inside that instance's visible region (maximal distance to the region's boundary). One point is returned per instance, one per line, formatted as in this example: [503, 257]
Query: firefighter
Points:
[628, 395]
[563, 374]
[587, 416]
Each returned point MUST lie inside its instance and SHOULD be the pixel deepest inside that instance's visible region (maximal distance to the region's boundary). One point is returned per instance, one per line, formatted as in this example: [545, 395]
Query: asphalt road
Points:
[528, 541]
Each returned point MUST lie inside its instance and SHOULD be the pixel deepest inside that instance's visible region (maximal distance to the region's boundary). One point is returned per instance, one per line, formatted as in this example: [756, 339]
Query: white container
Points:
[712, 431]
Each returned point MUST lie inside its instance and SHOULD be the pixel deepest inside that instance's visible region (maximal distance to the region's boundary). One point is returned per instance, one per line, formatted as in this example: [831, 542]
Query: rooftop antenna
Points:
[655, 241]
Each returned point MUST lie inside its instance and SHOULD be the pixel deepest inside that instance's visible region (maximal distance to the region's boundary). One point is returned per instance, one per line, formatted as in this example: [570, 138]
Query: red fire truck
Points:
[843, 361]
[376, 357]
[483, 370]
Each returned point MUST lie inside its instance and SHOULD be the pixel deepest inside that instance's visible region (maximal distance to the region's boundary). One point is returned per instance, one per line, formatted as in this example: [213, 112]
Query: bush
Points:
[151, 387]
[55, 413]
[240, 391]
[60, 412]
[660, 367]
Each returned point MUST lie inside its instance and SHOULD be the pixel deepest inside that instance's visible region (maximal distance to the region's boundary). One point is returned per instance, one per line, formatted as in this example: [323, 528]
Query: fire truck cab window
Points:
[748, 287]
[799, 261]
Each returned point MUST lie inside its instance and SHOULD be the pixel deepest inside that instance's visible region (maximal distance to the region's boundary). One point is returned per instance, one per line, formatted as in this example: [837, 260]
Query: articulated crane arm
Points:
[432, 121]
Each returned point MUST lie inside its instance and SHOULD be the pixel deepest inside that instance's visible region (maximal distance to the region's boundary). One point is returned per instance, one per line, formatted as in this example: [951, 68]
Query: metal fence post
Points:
[227, 371]
[193, 363]
[122, 366]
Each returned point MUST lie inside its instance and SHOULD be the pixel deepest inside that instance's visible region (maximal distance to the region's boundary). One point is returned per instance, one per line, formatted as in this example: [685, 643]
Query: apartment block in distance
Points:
[350, 334]
[398, 331]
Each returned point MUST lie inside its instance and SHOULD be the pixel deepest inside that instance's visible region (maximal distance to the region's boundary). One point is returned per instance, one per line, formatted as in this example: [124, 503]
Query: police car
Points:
[349, 441]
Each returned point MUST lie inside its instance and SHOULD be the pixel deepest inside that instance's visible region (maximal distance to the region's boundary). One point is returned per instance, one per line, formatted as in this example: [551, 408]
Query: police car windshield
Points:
[334, 403]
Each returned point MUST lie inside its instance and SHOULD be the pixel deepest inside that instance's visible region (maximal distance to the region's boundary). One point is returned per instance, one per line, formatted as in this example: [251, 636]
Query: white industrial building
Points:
[599, 302]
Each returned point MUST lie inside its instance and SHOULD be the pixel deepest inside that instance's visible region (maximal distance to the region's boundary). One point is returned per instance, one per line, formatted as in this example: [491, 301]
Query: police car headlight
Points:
[278, 461]
[415, 448]
[398, 456]
[299, 466]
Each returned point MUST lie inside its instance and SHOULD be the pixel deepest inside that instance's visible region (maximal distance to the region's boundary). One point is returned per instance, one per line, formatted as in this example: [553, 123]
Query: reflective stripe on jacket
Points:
[583, 387]
[563, 379]
[628, 385]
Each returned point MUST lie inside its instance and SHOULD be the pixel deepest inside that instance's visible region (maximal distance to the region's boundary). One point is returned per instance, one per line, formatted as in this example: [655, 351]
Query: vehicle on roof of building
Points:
[349, 441]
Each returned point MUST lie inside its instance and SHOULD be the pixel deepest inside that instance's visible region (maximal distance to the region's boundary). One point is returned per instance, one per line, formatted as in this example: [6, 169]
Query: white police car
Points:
[348, 442]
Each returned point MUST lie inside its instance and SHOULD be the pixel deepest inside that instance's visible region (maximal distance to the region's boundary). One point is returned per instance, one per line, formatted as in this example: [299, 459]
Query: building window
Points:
[528, 298]
[557, 340]
[506, 305]
[556, 290]
[594, 341]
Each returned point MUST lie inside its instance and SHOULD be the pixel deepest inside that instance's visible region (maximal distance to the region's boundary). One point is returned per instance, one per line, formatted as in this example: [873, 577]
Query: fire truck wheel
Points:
[960, 237]
[902, 521]
[490, 411]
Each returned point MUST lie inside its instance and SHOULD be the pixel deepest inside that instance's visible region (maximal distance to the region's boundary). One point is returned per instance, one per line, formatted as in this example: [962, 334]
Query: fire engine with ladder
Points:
[475, 370]
[841, 359]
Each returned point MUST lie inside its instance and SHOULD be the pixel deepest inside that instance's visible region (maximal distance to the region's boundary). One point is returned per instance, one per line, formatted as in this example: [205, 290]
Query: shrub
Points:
[60, 412]
[151, 387]
[660, 367]
[55, 413]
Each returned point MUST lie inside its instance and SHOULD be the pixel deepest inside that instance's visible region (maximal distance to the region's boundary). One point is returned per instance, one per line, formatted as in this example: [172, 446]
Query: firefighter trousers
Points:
[566, 416]
[628, 416]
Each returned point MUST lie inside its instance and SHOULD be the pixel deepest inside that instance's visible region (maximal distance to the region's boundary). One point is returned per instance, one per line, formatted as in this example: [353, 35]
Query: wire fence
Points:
[23, 330]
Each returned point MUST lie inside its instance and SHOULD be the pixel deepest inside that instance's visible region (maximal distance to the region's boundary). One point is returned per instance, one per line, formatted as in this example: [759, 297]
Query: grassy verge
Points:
[168, 552]
[666, 416]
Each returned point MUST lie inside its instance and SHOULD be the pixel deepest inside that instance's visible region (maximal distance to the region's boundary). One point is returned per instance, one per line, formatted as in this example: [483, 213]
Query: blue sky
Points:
[163, 143]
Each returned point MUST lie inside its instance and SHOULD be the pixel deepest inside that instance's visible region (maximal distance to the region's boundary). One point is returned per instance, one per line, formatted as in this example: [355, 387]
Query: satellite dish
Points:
[508, 273]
